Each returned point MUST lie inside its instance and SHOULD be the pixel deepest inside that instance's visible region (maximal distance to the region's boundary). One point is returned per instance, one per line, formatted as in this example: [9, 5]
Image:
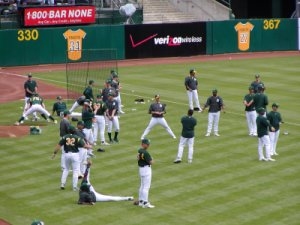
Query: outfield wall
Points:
[49, 45]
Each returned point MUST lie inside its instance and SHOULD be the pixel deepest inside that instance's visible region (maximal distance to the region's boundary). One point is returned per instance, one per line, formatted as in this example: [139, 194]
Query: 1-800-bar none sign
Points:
[51, 16]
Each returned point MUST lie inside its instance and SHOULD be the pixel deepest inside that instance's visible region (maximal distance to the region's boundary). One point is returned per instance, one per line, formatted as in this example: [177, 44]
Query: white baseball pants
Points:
[182, 143]
[193, 98]
[99, 126]
[251, 122]
[274, 136]
[71, 160]
[213, 121]
[157, 121]
[264, 142]
[146, 176]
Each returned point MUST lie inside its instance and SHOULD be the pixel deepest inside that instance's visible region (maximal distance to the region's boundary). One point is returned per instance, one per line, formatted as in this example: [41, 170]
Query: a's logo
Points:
[243, 32]
[74, 39]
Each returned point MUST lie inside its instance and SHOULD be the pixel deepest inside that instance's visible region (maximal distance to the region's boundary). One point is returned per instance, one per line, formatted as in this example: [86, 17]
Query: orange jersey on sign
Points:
[74, 39]
[244, 35]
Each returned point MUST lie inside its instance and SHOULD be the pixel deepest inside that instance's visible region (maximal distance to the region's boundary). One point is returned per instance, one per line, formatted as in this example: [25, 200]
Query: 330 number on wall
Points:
[28, 35]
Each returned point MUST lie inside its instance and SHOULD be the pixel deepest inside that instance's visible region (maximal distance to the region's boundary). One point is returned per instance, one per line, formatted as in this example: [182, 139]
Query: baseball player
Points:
[35, 104]
[112, 116]
[263, 125]
[88, 117]
[83, 152]
[215, 104]
[256, 83]
[250, 112]
[88, 91]
[191, 85]
[275, 120]
[157, 110]
[99, 110]
[187, 136]
[116, 85]
[59, 107]
[71, 143]
[145, 162]
[30, 87]
[260, 99]
[63, 130]
[89, 196]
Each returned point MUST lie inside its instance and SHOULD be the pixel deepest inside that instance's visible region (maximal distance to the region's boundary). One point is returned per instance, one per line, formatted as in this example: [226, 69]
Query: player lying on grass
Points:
[88, 195]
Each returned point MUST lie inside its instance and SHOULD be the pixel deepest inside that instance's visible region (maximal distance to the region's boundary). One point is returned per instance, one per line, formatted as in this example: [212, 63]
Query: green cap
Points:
[146, 141]
[71, 129]
[261, 110]
[80, 123]
[85, 187]
[250, 88]
[214, 90]
[275, 105]
[67, 112]
[37, 222]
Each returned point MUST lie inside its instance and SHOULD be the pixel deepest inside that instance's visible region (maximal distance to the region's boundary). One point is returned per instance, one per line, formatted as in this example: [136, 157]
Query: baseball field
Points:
[225, 184]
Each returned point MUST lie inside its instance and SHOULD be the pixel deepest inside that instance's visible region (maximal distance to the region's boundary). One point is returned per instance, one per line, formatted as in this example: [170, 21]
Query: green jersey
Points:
[88, 93]
[59, 107]
[275, 119]
[262, 126]
[102, 108]
[188, 125]
[248, 98]
[260, 101]
[36, 100]
[87, 118]
[30, 85]
[71, 143]
[144, 158]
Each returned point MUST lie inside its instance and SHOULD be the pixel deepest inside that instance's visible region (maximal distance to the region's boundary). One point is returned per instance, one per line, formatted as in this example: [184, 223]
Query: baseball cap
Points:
[67, 112]
[99, 96]
[275, 105]
[214, 90]
[261, 110]
[91, 82]
[193, 71]
[146, 141]
[71, 129]
[59, 98]
[260, 86]
[29, 75]
[37, 222]
[80, 123]
[257, 76]
[250, 88]
[85, 187]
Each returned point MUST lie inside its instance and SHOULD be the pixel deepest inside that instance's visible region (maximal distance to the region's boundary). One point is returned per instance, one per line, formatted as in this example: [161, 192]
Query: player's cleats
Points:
[17, 123]
[148, 205]
[177, 161]
[207, 134]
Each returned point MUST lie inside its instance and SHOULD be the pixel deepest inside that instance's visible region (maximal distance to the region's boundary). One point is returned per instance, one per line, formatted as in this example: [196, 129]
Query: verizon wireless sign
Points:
[51, 16]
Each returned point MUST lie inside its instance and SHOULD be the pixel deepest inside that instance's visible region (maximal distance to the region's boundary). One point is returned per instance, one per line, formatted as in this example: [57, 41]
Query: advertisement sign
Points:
[165, 40]
[63, 15]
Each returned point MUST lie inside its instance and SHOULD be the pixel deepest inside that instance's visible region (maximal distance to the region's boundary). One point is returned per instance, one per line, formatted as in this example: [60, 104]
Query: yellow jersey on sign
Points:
[244, 35]
[74, 39]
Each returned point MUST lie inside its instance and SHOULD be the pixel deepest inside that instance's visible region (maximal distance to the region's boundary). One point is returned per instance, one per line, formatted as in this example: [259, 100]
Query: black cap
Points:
[192, 71]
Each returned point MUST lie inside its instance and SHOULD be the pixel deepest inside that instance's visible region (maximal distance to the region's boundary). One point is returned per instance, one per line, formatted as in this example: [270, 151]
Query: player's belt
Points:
[145, 166]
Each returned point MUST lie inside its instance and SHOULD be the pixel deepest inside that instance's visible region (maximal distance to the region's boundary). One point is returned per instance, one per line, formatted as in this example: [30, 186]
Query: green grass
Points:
[225, 184]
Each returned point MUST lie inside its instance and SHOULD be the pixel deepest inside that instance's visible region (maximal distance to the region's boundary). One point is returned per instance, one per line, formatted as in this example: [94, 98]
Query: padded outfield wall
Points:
[49, 45]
